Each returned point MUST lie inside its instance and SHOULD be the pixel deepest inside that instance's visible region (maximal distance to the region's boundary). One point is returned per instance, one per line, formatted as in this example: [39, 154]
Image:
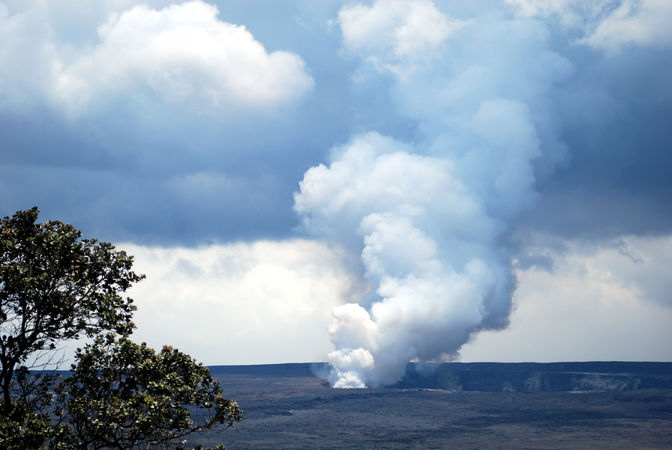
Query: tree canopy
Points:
[125, 395]
[56, 286]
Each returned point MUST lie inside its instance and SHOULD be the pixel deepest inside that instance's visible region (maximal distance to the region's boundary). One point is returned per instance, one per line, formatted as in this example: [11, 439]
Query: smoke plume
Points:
[429, 216]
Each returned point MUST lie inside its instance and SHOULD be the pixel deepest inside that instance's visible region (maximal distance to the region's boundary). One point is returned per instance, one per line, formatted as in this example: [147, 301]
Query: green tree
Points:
[123, 395]
[55, 286]
[25, 426]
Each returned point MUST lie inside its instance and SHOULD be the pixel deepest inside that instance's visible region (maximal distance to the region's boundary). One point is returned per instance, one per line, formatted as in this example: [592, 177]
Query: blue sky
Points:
[364, 183]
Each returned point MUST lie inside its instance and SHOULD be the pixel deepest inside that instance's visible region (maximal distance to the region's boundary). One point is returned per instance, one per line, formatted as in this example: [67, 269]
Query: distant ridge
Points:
[274, 370]
[497, 377]
[540, 377]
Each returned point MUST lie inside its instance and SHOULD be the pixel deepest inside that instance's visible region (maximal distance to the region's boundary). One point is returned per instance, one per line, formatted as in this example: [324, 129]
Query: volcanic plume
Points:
[430, 218]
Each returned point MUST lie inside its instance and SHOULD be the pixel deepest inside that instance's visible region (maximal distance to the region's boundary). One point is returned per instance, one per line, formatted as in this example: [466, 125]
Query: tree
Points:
[25, 426]
[55, 286]
[123, 395]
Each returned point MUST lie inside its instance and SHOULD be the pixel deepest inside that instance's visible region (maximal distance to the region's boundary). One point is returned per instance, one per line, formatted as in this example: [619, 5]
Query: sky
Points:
[364, 183]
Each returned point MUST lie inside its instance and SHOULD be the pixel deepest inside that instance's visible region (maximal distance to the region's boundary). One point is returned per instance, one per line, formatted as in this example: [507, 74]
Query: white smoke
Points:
[430, 218]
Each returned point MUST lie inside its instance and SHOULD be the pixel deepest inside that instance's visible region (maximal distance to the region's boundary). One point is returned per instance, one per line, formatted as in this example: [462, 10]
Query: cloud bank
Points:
[596, 304]
[240, 303]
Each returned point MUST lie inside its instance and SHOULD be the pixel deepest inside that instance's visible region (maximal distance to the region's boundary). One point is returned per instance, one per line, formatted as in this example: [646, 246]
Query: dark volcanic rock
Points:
[453, 405]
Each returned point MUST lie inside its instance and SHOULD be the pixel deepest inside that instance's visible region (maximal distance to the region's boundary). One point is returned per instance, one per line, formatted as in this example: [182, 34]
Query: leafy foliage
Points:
[125, 395]
[28, 423]
[24, 427]
[55, 286]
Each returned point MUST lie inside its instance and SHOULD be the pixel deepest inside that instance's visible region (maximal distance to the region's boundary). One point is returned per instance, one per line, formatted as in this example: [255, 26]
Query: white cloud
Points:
[608, 25]
[263, 302]
[645, 22]
[395, 34]
[608, 303]
[180, 55]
